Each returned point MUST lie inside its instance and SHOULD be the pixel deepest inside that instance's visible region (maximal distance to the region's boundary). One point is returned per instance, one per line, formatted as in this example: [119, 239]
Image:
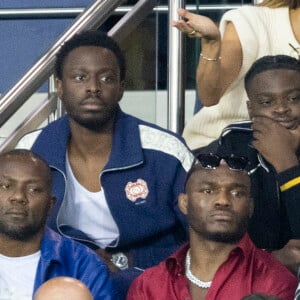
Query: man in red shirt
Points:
[221, 262]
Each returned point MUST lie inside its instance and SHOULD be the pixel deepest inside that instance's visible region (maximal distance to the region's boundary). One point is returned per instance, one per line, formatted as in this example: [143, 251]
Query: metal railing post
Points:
[176, 85]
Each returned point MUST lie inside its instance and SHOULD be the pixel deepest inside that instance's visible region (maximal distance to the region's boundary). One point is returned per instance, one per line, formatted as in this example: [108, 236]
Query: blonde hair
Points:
[292, 4]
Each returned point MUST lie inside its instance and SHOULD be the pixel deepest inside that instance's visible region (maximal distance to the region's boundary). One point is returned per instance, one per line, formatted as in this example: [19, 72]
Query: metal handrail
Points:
[132, 19]
[92, 17]
[31, 122]
[176, 83]
[39, 13]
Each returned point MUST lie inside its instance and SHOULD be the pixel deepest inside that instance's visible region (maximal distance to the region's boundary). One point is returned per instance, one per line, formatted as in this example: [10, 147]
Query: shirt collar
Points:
[244, 247]
[176, 262]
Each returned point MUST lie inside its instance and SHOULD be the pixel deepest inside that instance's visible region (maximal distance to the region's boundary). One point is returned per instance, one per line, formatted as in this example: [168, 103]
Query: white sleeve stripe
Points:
[159, 140]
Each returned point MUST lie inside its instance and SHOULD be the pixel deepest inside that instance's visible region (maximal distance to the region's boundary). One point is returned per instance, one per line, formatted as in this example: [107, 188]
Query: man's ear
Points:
[59, 88]
[183, 202]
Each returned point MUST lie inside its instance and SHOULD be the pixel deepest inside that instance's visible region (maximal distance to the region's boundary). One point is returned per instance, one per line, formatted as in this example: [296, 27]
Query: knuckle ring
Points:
[192, 33]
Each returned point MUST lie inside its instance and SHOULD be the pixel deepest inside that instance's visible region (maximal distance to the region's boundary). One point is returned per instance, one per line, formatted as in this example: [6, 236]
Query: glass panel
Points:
[143, 77]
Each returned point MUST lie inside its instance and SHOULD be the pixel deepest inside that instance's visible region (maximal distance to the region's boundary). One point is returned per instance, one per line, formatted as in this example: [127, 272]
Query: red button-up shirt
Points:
[247, 270]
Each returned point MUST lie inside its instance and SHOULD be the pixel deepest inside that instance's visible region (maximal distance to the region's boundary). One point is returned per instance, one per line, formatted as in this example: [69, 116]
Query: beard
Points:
[23, 232]
[92, 120]
[229, 237]
[95, 125]
[98, 122]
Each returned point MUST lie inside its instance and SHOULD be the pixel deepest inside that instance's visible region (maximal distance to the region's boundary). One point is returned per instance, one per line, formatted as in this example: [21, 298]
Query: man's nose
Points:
[93, 85]
[19, 195]
[223, 199]
[282, 106]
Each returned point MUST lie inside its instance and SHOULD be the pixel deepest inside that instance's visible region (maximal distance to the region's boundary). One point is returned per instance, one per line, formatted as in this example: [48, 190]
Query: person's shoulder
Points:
[163, 141]
[28, 140]
[151, 283]
[271, 267]
[55, 133]
[262, 12]
[245, 9]
[273, 276]
[59, 123]
[157, 281]
[243, 128]
[152, 127]
[166, 142]
[52, 129]
[170, 266]
[152, 276]
[250, 9]
[249, 12]
[262, 259]
[210, 148]
[235, 136]
[238, 132]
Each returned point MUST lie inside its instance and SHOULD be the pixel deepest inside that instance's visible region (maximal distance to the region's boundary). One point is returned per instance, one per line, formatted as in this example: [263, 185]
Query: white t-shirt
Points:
[17, 276]
[88, 212]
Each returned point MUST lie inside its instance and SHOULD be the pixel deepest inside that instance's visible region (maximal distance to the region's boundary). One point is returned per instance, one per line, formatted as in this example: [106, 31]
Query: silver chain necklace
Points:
[191, 277]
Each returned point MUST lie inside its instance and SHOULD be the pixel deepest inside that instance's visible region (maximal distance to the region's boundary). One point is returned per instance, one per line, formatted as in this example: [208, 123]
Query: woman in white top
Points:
[245, 34]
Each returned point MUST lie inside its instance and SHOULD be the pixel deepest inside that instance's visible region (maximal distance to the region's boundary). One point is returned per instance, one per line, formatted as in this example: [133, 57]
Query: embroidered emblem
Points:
[135, 190]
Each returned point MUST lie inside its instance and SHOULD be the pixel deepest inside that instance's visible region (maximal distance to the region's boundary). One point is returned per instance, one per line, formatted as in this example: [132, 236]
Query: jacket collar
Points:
[175, 264]
[51, 244]
[55, 137]
[126, 145]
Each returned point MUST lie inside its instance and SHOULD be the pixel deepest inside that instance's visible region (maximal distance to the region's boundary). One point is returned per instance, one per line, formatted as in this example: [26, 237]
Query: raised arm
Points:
[220, 60]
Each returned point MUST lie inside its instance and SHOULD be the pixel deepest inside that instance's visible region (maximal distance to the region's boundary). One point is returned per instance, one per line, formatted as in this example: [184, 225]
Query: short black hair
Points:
[89, 38]
[271, 62]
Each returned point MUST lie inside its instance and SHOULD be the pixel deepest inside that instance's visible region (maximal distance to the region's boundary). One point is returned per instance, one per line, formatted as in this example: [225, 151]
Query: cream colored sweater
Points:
[262, 31]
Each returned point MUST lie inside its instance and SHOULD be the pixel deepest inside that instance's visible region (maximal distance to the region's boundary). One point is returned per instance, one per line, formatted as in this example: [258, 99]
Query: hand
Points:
[107, 259]
[203, 26]
[277, 144]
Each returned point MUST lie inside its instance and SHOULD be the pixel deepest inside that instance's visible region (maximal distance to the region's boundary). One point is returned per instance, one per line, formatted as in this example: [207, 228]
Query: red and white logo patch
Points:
[135, 190]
